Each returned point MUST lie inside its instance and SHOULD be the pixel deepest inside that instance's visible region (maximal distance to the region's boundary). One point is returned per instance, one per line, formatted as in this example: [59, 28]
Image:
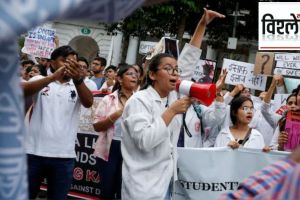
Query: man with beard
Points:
[50, 142]
[98, 65]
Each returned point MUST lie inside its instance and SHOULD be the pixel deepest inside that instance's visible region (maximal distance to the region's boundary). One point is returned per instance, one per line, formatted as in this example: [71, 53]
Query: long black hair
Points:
[122, 69]
[235, 105]
[153, 67]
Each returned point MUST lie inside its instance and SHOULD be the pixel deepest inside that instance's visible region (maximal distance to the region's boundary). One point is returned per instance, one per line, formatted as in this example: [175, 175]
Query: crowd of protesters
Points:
[139, 121]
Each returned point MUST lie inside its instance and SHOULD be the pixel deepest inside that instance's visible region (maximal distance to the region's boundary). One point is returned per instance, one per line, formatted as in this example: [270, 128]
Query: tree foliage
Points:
[156, 20]
[177, 16]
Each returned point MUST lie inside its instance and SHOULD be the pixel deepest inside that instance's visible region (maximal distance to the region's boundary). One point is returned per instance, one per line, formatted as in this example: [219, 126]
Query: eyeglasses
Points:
[171, 70]
[132, 74]
[248, 109]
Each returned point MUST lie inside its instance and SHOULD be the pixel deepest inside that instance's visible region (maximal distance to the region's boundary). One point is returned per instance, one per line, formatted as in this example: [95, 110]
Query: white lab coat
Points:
[256, 140]
[274, 141]
[148, 145]
[211, 116]
[258, 121]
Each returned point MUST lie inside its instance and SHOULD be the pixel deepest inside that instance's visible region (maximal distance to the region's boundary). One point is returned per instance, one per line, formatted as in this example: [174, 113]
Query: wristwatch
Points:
[78, 82]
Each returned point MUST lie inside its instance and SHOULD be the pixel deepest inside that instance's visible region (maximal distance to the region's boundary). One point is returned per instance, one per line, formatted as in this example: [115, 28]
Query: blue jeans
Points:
[58, 171]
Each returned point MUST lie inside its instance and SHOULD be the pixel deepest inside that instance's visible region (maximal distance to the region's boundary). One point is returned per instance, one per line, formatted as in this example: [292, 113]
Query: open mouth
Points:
[249, 118]
[173, 81]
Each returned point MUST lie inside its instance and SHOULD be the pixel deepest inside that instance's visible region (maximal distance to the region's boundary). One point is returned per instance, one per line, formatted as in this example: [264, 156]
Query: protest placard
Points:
[40, 42]
[287, 64]
[263, 63]
[292, 127]
[146, 47]
[204, 71]
[243, 73]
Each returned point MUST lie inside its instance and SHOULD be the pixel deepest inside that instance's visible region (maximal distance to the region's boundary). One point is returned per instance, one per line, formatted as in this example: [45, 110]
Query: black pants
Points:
[111, 173]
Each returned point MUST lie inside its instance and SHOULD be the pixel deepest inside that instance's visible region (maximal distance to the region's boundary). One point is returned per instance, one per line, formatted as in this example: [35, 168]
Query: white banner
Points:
[207, 173]
[243, 73]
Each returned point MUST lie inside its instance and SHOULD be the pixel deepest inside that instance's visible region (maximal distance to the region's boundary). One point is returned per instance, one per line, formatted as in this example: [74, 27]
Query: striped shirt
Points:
[288, 188]
[262, 180]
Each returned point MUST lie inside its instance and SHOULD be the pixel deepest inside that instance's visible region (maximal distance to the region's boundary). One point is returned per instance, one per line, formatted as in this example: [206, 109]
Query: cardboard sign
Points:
[204, 71]
[263, 63]
[40, 42]
[243, 73]
[287, 65]
[292, 127]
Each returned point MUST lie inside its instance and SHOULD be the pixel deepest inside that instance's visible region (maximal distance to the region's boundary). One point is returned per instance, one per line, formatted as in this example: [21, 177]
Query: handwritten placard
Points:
[243, 73]
[263, 63]
[40, 42]
[204, 71]
[287, 64]
[292, 127]
[280, 100]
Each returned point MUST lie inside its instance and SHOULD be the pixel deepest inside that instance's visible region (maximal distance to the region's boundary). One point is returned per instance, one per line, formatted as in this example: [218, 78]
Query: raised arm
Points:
[207, 17]
[276, 81]
[191, 53]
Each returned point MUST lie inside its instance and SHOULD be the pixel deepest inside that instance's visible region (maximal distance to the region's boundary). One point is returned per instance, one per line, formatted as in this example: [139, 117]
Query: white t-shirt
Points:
[53, 125]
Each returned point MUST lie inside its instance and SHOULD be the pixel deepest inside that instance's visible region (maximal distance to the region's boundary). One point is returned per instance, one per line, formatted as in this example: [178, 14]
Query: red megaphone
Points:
[205, 93]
